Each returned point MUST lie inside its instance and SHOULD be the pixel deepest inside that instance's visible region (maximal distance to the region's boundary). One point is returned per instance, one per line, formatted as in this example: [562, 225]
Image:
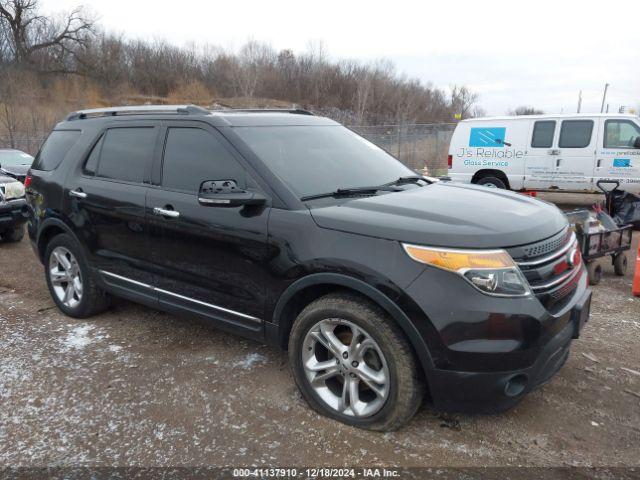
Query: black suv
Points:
[291, 229]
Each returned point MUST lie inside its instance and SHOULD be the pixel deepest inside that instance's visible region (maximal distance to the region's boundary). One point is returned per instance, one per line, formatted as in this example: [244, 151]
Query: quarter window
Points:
[55, 149]
[193, 156]
[126, 153]
[576, 133]
[620, 134]
[91, 165]
[543, 132]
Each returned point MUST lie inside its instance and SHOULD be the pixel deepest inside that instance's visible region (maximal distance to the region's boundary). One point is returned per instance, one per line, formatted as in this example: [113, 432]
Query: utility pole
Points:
[604, 97]
[580, 101]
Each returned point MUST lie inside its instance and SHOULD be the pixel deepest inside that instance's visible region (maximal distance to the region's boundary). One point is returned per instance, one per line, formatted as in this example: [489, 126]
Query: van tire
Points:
[406, 385]
[492, 182]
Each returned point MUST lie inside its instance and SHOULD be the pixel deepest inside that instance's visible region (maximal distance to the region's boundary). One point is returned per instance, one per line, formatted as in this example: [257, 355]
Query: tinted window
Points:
[620, 134]
[576, 133]
[126, 153]
[543, 134]
[55, 149]
[320, 159]
[91, 165]
[193, 156]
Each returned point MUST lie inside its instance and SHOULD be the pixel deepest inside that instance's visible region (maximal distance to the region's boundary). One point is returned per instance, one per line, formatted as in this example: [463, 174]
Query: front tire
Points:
[71, 285]
[492, 182]
[353, 364]
[13, 235]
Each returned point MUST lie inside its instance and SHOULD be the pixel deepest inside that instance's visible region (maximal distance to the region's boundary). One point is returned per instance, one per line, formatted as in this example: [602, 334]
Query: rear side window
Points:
[576, 133]
[55, 149]
[126, 153]
[193, 156]
[543, 134]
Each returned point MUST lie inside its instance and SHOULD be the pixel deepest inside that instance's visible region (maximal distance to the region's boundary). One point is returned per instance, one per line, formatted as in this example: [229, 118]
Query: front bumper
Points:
[13, 213]
[488, 352]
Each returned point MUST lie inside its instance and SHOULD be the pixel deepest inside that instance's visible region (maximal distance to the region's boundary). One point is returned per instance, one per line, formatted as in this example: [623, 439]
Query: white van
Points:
[547, 152]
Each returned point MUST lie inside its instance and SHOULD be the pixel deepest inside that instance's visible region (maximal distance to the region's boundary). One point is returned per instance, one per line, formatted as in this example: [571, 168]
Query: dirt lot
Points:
[142, 388]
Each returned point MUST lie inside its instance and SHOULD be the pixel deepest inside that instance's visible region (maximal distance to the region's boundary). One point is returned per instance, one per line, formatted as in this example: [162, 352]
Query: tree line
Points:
[58, 62]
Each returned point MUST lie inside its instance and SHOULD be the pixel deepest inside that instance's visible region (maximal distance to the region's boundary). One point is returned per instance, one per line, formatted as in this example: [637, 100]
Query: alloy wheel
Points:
[346, 368]
[65, 276]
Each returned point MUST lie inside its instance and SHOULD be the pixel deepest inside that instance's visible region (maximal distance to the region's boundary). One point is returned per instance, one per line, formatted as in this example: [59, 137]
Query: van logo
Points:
[622, 162]
[488, 137]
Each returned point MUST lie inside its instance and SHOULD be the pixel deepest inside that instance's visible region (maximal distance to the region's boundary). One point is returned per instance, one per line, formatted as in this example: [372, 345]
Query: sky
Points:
[540, 53]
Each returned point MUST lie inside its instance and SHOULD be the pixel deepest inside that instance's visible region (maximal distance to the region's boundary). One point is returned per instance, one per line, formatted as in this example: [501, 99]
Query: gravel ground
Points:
[136, 387]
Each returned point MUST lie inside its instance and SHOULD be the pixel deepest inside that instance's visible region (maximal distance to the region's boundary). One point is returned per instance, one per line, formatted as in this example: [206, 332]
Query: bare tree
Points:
[525, 110]
[463, 101]
[43, 42]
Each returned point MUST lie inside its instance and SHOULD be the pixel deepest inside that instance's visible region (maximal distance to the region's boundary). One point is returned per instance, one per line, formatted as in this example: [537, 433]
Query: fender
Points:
[45, 225]
[368, 291]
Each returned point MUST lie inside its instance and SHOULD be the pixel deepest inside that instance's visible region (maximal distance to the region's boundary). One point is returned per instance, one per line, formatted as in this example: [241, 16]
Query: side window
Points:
[91, 165]
[126, 153]
[192, 156]
[620, 134]
[55, 149]
[543, 132]
[576, 133]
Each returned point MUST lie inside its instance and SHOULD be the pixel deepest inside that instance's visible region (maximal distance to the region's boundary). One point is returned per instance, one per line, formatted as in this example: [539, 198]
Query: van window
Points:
[55, 149]
[576, 133]
[192, 156]
[543, 134]
[126, 153]
[620, 133]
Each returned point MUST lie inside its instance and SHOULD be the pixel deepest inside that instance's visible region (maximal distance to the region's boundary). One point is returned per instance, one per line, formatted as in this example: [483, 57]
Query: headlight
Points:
[491, 271]
[13, 190]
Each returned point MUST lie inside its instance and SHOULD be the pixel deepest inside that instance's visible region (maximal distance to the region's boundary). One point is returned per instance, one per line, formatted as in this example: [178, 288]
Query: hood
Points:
[15, 170]
[447, 215]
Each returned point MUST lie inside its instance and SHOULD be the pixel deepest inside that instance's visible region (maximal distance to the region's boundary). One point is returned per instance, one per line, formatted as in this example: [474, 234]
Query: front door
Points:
[540, 160]
[617, 157]
[107, 205]
[575, 155]
[209, 259]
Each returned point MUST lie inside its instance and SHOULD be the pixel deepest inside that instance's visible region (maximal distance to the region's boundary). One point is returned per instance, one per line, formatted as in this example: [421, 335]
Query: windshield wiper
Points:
[409, 179]
[345, 192]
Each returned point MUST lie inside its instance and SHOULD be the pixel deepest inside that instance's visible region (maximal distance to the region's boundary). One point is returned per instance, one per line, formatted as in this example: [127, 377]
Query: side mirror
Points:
[636, 143]
[225, 193]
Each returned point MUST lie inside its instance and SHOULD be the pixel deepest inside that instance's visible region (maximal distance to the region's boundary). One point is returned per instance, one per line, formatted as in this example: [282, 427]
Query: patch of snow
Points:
[250, 360]
[79, 337]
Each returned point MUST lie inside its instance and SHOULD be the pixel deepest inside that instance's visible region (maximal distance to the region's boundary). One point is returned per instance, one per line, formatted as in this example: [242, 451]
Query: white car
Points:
[547, 152]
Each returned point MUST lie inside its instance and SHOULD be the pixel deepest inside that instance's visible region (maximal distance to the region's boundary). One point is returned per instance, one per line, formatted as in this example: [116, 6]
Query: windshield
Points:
[313, 160]
[14, 158]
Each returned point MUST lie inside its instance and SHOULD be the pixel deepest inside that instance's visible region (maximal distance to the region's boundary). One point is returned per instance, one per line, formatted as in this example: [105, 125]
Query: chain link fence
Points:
[418, 146]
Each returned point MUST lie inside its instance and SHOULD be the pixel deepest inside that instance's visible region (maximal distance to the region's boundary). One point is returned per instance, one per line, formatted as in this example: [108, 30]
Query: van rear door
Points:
[576, 155]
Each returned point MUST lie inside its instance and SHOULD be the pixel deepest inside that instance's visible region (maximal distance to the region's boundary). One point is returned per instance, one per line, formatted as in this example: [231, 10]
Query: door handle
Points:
[166, 213]
[558, 162]
[77, 194]
[599, 163]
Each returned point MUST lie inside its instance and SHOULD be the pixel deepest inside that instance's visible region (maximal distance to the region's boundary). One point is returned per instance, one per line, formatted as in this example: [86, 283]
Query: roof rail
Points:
[138, 110]
[296, 111]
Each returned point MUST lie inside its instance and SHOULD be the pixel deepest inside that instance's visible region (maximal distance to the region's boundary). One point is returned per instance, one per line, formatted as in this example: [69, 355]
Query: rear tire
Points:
[13, 235]
[492, 182]
[71, 285]
[620, 264]
[366, 345]
[594, 269]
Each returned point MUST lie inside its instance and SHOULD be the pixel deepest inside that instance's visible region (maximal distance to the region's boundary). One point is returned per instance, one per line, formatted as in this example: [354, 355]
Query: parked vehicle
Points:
[14, 163]
[547, 152]
[13, 209]
[290, 229]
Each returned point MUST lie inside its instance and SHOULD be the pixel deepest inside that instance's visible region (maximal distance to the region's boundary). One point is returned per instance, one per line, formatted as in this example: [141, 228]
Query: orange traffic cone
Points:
[636, 276]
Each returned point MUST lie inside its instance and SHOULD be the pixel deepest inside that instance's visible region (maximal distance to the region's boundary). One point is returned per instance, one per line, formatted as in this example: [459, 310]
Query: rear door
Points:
[540, 161]
[107, 201]
[210, 260]
[575, 158]
[617, 157]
